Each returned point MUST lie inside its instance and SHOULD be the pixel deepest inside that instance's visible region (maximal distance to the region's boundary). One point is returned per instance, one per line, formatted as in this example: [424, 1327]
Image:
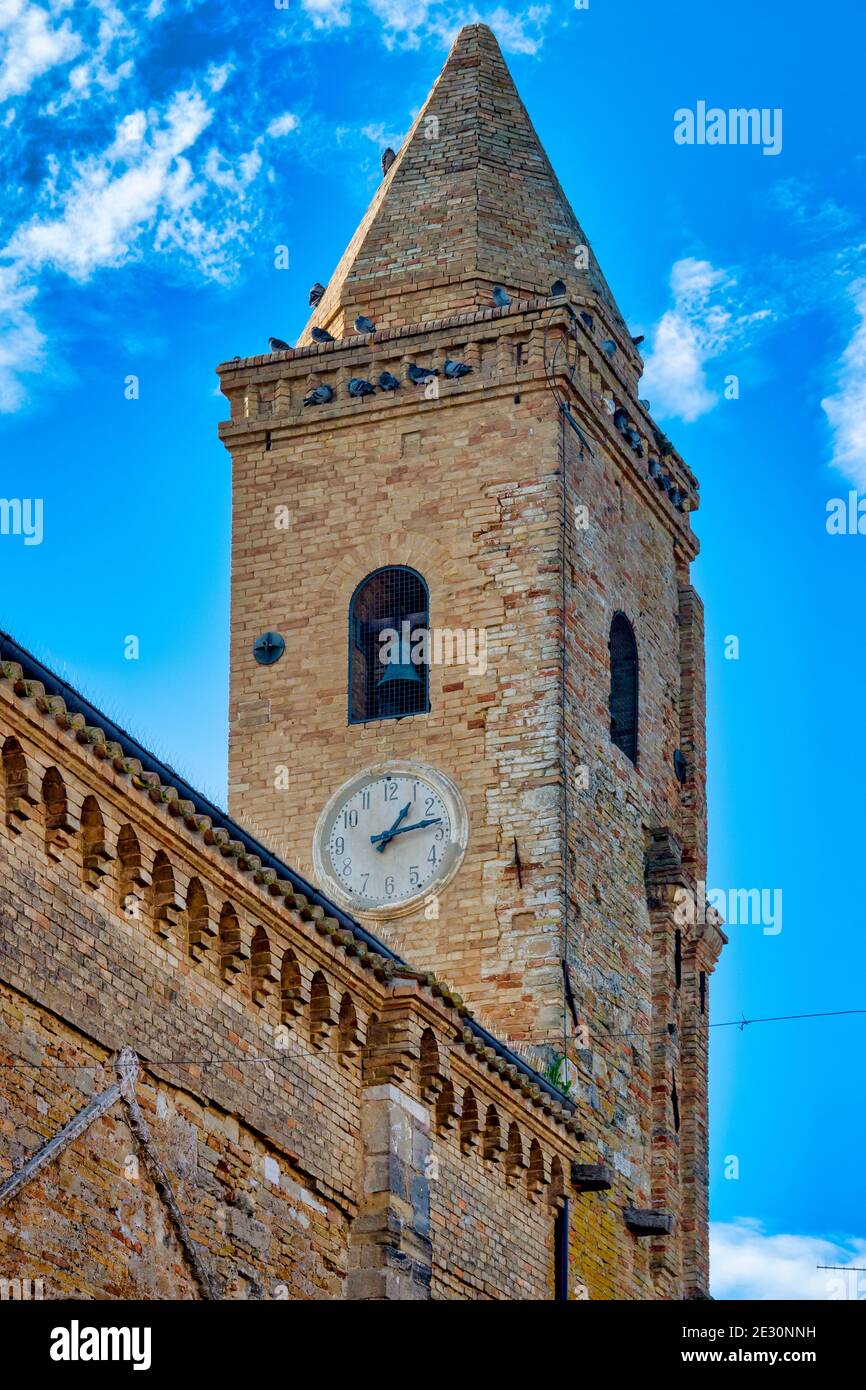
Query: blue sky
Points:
[153, 157]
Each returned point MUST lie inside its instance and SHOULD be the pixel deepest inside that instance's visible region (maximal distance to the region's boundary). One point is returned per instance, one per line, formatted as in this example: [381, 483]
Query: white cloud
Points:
[401, 19]
[814, 214]
[328, 14]
[21, 343]
[31, 44]
[846, 408]
[114, 195]
[218, 75]
[706, 320]
[407, 23]
[521, 32]
[283, 125]
[745, 1262]
[518, 31]
[381, 136]
[152, 188]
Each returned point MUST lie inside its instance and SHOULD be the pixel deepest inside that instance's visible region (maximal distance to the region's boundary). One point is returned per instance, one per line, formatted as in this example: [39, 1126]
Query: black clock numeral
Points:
[347, 866]
[364, 878]
[350, 819]
[339, 845]
[391, 790]
[414, 876]
[431, 801]
[431, 857]
[389, 886]
[365, 799]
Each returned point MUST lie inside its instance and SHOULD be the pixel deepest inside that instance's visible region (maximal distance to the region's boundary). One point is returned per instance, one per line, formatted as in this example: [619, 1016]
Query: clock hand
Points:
[418, 825]
[386, 834]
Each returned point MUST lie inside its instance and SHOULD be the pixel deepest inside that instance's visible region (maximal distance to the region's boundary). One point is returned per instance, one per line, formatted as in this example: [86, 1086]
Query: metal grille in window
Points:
[384, 681]
[623, 686]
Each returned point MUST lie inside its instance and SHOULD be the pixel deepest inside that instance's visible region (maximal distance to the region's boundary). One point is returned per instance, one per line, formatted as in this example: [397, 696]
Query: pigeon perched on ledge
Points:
[388, 157]
[316, 292]
[499, 297]
[387, 382]
[364, 325]
[321, 335]
[277, 345]
[359, 387]
[320, 395]
[456, 369]
[635, 441]
[420, 374]
[587, 319]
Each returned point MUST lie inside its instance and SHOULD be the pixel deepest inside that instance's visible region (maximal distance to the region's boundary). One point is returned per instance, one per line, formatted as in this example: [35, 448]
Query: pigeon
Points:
[316, 292]
[320, 395]
[645, 403]
[277, 345]
[621, 420]
[557, 288]
[321, 335]
[456, 369]
[420, 374]
[639, 339]
[364, 325]
[609, 346]
[680, 765]
[387, 382]
[358, 387]
[388, 157]
[499, 297]
[587, 318]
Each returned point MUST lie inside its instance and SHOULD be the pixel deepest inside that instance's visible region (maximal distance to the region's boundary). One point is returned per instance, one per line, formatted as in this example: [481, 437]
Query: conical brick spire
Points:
[470, 201]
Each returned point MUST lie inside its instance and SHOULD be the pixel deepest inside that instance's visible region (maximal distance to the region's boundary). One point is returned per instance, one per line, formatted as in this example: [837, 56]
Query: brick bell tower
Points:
[523, 813]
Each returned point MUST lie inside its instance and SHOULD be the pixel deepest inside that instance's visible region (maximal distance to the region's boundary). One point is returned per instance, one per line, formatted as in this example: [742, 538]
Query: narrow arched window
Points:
[623, 686]
[388, 646]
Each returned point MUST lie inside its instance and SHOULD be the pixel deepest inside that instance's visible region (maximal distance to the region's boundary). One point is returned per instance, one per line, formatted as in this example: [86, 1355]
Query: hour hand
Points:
[386, 835]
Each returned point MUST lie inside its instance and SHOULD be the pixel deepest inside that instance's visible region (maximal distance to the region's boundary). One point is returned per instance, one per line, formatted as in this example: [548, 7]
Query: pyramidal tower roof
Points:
[470, 201]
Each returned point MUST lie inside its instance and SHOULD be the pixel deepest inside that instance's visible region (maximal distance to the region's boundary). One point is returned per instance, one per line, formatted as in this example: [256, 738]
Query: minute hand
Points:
[419, 825]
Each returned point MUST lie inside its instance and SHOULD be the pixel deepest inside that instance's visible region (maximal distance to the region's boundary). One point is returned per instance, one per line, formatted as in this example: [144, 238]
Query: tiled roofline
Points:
[33, 670]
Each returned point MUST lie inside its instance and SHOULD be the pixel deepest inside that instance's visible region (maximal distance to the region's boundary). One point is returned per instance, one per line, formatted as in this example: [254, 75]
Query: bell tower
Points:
[484, 734]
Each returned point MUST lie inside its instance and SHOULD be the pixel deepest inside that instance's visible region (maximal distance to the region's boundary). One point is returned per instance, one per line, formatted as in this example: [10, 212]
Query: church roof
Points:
[31, 679]
[470, 201]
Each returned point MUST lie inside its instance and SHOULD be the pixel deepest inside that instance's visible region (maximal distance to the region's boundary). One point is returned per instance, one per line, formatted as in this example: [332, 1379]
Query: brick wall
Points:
[306, 1100]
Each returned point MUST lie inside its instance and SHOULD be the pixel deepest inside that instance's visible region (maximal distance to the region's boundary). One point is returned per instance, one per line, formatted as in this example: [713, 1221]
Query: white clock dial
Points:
[390, 837]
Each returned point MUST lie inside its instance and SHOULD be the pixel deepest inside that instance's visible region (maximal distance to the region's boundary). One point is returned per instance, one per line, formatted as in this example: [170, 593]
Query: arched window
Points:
[385, 682]
[623, 686]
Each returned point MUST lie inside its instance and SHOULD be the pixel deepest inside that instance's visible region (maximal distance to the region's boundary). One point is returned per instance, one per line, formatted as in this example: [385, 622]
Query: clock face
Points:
[389, 838]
